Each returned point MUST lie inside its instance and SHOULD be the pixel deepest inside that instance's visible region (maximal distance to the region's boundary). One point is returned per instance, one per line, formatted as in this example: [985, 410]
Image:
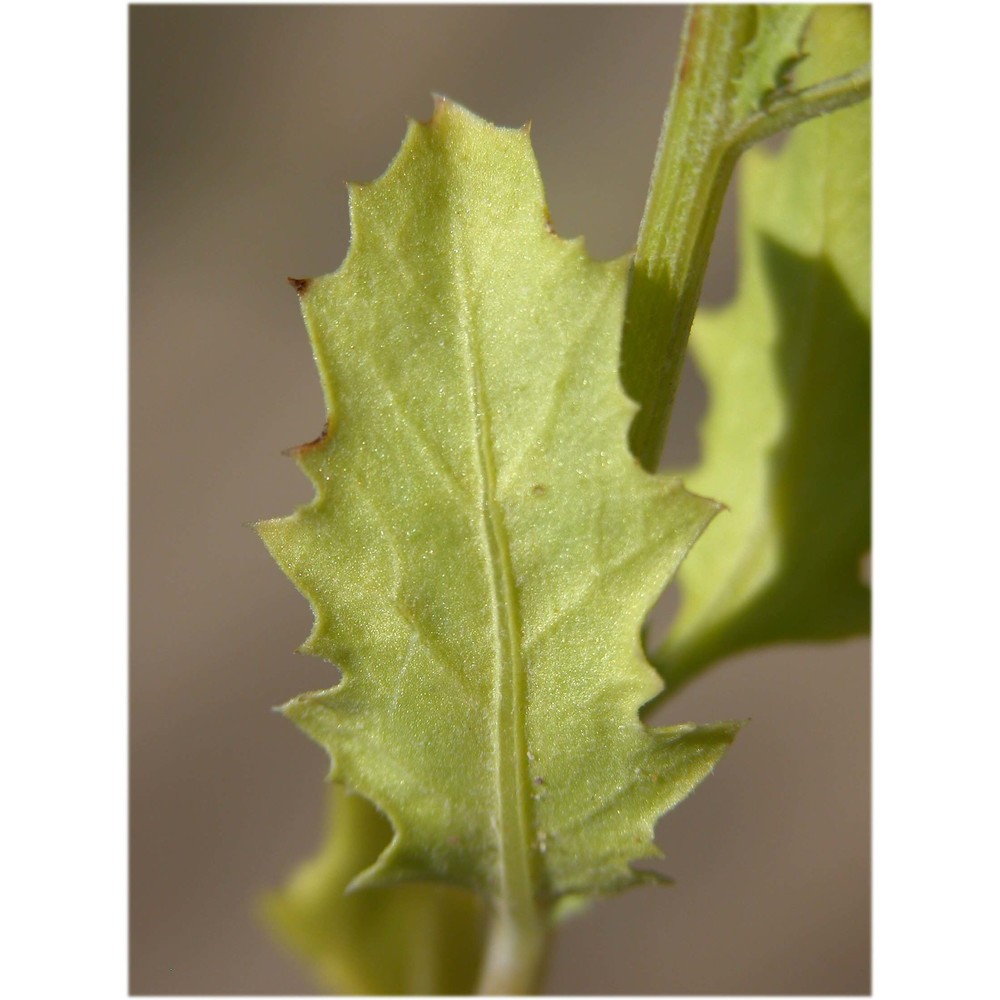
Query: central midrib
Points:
[515, 832]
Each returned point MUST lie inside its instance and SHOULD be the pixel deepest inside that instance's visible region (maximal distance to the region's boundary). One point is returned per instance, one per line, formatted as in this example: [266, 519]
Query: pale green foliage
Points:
[786, 441]
[482, 548]
[416, 939]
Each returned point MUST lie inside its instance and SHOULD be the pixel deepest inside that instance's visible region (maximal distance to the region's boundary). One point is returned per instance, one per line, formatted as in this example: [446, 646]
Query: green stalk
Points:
[705, 130]
[693, 164]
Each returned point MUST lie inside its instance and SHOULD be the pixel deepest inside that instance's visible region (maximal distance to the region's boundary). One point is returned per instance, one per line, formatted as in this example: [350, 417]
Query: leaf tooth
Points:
[683, 756]
[272, 531]
[414, 127]
[312, 712]
[317, 638]
[325, 642]
[357, 194]
[316, 445]
[440, 108]
[646, 876]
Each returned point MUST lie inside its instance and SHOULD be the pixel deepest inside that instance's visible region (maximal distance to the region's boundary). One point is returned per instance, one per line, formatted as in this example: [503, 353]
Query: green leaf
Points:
[786, 443]
[482, 547]
[405, 939]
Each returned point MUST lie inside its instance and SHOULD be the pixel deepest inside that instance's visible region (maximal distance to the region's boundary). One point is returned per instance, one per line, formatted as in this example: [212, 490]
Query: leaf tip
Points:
[263, 528]
[301, 285]
[444, 107]
[733, 727]
[440, 108]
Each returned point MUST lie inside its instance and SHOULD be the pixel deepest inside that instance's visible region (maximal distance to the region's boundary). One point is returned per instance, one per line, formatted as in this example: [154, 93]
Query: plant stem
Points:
[701, 141]
[691, 171]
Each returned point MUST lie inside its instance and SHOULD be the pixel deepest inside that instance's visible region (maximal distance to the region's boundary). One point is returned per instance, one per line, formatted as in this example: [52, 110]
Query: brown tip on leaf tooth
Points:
[301, 285]
[550, 226]
[301, 450]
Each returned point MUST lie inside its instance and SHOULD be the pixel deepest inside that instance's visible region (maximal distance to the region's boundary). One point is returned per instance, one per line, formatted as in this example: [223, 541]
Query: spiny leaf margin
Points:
[557, 542]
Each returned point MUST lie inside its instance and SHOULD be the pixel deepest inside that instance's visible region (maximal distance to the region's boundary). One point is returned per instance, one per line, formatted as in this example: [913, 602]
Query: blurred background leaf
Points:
[404, 939]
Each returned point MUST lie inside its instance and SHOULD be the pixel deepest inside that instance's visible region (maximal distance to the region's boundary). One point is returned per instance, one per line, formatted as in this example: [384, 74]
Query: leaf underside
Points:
[786, 443]
[482, 548]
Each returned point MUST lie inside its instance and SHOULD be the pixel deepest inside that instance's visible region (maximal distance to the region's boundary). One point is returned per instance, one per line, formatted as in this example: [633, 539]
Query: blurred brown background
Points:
[244, 123]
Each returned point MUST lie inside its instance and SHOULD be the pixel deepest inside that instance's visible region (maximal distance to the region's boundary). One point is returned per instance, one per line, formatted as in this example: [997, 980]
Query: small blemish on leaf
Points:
[539, 781]
[538, 489]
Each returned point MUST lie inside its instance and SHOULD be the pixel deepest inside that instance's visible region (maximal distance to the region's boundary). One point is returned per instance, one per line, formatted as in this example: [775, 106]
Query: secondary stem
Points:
[784, 112]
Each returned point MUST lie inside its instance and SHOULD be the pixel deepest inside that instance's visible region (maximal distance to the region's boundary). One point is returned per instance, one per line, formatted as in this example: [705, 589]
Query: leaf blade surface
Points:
[482, 547]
